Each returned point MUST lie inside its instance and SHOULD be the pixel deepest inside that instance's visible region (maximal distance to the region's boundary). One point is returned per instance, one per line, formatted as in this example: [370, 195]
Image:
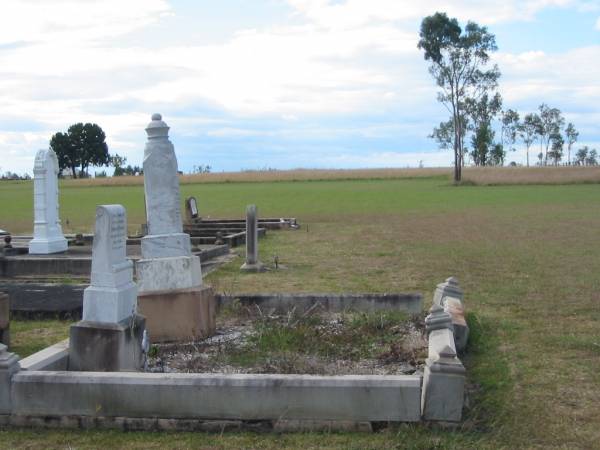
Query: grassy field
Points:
[526, 256]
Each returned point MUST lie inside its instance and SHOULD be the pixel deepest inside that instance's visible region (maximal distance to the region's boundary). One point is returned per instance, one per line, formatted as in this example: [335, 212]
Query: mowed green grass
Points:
[321, 201]
[526, 256]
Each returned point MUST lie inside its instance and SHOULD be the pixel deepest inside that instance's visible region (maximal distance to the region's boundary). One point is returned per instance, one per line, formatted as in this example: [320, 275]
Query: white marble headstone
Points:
[112, 295]
[161, 188]
[47, 231]
[167, 262]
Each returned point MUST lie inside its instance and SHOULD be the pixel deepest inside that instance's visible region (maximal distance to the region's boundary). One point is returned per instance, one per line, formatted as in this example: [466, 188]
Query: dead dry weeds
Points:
[250, 341]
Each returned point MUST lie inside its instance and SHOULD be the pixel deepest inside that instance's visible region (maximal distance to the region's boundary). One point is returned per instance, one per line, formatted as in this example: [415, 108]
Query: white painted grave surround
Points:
[112, 294]
[47, 231]
[167, 261]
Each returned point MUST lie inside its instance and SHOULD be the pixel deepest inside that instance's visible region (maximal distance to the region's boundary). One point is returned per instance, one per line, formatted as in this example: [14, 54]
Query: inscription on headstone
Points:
[112, 294]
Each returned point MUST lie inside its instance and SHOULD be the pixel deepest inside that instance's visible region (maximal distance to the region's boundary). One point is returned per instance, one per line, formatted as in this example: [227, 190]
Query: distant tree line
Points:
[8, 175]
[459, 63]
[118, 162]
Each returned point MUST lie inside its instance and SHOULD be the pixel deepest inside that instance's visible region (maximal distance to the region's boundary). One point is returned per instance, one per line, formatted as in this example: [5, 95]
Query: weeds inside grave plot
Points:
[310, 343]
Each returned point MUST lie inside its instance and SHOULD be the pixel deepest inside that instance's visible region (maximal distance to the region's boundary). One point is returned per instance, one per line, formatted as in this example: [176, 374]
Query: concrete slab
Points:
[55, 357]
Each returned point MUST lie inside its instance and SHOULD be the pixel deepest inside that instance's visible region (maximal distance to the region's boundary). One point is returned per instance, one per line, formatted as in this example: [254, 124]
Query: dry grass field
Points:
[526, 256]
[532, 175]
[476, 175]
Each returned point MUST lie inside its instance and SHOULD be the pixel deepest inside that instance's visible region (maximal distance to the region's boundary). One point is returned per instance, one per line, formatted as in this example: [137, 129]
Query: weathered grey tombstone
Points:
[47, 231]
[108, 338]
[111, 296]
[4, 319]
[172, 298]
[191, 209]
[252, 263]
[167, 261]
[9, 365]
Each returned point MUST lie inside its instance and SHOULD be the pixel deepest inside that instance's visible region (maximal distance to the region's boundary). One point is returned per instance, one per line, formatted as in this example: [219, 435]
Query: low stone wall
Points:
[216, 396]
[55, 357]
[283, 303]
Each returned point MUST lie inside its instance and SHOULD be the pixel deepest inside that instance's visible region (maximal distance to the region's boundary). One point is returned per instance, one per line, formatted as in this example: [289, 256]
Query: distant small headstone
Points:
[47, 231]
[79, 240]
[252, 263]
[191, 209]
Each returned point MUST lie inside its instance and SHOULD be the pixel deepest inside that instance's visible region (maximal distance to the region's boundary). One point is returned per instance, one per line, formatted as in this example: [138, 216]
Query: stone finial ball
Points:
[156, 116]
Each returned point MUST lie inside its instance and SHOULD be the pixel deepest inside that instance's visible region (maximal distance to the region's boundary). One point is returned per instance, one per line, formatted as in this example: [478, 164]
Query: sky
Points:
[279, 84]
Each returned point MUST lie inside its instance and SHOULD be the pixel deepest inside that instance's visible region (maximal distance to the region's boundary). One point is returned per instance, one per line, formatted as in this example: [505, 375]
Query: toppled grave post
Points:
[449, 288]
[109, 336]
[450, 296]
[444, 375]
[252, 263]
[172, 298]
[47, 231]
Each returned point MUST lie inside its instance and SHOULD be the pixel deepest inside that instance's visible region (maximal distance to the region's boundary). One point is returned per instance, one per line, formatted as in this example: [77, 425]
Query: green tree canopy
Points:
[572, 135]
[82, 146]
[528, 130]
[458, 64]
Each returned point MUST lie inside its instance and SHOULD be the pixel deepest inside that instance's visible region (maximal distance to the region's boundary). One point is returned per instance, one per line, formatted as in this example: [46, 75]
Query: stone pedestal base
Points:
[107, 347]
[162, 274]
[179, 315]
[256, 267]
[111, 305]
[166, 245]
[47, 246]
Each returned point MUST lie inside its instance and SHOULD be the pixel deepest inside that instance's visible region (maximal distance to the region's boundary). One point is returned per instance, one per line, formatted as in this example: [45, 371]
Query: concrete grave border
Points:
[44, 393]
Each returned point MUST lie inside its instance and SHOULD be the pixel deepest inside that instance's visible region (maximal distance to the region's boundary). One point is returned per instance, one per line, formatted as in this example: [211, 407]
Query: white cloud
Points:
[75, 20]
[333, 60]
[356, 13]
